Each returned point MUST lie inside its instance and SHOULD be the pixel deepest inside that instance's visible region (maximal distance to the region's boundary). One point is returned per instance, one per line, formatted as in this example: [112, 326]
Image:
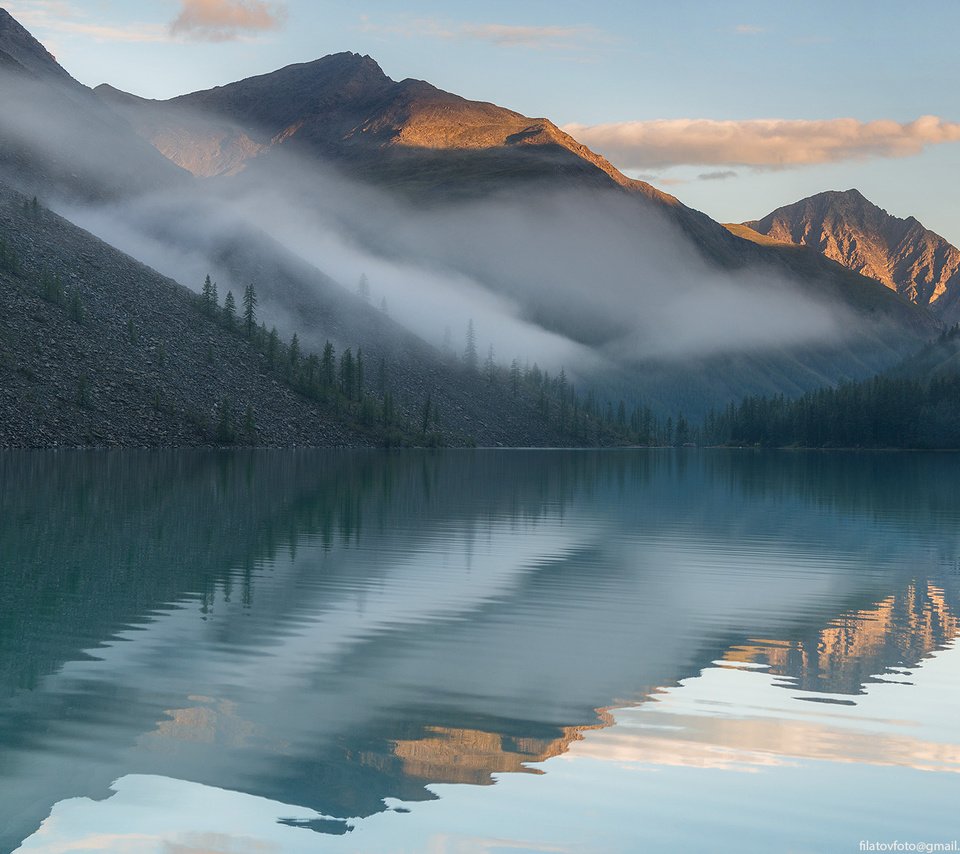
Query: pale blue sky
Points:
[596, 63]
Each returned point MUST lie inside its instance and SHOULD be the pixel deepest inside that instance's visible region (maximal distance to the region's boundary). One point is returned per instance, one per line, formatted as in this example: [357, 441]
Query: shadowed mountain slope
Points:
[98, 349]
[58, 138]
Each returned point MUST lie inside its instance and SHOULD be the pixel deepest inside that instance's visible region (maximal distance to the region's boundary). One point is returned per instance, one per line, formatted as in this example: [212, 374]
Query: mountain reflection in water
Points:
[339, 632]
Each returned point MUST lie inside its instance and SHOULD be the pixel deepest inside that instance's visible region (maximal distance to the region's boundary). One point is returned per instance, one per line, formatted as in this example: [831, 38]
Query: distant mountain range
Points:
[906, 257]
[657, 304]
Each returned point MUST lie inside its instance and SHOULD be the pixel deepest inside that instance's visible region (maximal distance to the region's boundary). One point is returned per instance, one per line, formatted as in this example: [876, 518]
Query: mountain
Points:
[408, 136]
[299, 179]
[58, 138]
[98, 349]
[915, 262]
[425, 144]
[344, 107]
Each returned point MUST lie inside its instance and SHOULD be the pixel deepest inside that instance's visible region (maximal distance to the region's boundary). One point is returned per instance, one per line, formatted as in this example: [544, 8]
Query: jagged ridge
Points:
[906, 257]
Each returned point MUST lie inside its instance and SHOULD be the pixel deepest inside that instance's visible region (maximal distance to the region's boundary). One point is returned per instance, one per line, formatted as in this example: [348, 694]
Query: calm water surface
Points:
[300, 651]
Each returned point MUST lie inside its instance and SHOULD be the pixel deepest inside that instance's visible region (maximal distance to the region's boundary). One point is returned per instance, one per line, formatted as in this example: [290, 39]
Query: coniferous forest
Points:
[914, 406]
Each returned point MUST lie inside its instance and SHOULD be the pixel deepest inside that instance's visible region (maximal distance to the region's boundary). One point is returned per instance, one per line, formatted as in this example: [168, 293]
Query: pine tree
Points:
[490, 366]
[76, 306]
[294, 352]
[470, 351]
[206, 295]
[328, 366]
[250, 310]
[515, 377]
[347, 374]
[363, 288]
[359, 373]
[562, 393]
[230, 311]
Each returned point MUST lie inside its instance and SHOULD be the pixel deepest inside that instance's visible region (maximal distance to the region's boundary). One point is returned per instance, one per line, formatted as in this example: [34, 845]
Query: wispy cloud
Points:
[504, 35]
[225, 20]
[719, 175]
[760, 143]
[748, 30]
[58, 16]
[536, 37]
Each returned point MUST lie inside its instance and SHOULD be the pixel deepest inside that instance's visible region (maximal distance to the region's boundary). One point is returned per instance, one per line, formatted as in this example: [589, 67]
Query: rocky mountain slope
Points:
[906, 257]
[97, 349]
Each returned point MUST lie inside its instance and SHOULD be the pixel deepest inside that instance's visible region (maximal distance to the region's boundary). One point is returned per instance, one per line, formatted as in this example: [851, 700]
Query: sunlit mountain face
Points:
[376, 639]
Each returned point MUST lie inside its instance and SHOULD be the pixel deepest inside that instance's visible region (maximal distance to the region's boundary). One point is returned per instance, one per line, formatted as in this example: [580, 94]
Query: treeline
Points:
[354, 389]
[363, 389]
[889, 411]
[368, 393]
[583, 419]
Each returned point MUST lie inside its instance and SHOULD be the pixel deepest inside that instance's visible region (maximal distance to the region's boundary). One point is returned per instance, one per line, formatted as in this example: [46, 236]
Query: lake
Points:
[460, 651]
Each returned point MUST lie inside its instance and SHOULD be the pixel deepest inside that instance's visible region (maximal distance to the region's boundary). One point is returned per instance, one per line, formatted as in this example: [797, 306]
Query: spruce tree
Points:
[230, 311]
[363, 288]
[249, 310]
[490, 366]
[470, 351]
[206, 295]
[328, 366]
[249, 425]
[347, 374]
[294, 352]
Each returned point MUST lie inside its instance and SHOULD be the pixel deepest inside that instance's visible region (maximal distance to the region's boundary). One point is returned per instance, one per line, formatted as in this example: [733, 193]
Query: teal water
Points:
[585, 651]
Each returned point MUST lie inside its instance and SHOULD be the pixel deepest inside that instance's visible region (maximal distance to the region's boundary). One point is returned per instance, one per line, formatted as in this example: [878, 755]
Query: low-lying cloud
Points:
[225, 20]
[760, 143]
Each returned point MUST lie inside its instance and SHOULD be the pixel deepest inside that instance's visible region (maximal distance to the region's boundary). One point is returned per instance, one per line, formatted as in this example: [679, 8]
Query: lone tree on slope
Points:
[250, 310]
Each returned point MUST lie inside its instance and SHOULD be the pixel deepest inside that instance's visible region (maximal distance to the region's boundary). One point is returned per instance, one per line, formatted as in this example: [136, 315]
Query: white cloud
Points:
[760, 143]
[224, 20]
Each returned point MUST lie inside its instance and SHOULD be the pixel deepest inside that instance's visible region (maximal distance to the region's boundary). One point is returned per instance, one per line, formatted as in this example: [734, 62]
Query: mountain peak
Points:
[900, 253]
